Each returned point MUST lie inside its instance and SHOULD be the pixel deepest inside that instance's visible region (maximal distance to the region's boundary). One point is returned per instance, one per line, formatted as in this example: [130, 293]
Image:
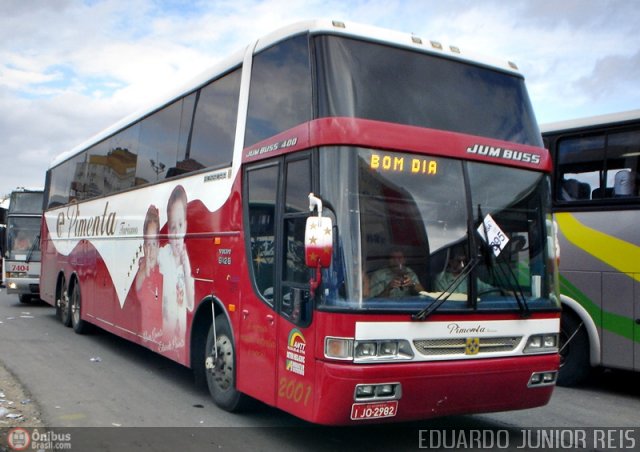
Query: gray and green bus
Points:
[596, 202]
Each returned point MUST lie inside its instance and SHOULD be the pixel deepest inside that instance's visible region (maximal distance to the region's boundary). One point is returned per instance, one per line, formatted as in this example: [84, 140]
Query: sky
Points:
[71, 68]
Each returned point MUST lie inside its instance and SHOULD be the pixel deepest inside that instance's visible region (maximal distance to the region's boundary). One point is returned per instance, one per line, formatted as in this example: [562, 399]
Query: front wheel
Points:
[574, 351]
[220, 367]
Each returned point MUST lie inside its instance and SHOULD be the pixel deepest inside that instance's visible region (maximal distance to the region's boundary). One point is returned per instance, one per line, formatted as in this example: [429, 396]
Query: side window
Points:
[580, 166]
[623, 164]
[598, 167]
[295, 285]
[159, 135]
[109, 166]
[124, 152]
[280, 94]
[183, 163]
[262, 188]
[95, 171]
[64, 181]
[214, 124]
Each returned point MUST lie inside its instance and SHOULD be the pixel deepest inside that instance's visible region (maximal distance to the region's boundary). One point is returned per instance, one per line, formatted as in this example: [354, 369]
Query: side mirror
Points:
[318, 237]
[318, 242]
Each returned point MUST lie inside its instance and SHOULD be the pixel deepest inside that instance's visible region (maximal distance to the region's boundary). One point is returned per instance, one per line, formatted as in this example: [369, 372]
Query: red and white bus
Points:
[286, 226]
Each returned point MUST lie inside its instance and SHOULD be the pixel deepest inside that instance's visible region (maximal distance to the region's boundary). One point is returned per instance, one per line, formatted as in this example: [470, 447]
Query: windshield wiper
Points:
[36, 242]
[444, 296]
[489, 252]
[515, 287]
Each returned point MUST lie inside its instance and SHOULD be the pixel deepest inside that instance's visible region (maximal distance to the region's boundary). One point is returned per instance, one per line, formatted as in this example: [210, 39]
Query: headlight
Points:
[367, 351]
[542, 343]
[382, 350]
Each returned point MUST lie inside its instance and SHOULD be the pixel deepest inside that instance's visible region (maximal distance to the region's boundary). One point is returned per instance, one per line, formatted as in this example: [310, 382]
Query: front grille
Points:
[458, 346]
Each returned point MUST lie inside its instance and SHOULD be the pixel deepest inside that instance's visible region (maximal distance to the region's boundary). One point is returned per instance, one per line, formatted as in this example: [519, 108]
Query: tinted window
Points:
[298, 186]
[280, 95]
[373, 81]
[26, 202]
[108, 168]
[159, 136]
[214, 126]
[295, 274]
[262, 186]
[623, 164]
[598, 167]
[580, 164]
[62, 188]
[184, 164]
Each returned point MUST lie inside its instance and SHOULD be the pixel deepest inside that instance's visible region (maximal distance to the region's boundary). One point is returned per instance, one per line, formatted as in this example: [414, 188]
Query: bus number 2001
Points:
[294, 390]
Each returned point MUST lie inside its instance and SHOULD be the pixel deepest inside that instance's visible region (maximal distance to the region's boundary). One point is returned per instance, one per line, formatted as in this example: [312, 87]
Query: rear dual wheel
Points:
[63, 306]
[78, 325]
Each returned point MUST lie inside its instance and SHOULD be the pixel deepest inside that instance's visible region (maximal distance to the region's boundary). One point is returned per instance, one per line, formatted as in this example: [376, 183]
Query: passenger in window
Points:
[624, 184]
[455, 266]
[22, 242]
[396, 280]
[178, 282]
[148, 281]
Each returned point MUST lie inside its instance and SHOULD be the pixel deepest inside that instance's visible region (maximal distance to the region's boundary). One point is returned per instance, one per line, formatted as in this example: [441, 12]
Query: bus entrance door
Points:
[255, 367]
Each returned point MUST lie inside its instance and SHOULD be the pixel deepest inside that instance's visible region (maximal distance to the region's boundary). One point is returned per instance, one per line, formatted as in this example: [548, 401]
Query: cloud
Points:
[625, 69]
[70, 68]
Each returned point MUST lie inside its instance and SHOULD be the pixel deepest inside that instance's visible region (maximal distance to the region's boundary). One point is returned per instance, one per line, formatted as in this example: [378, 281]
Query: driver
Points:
[396, 280]
[456, 264]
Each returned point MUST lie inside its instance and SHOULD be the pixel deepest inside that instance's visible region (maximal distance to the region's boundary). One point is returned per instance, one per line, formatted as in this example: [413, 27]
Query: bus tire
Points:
[574, 354]
[220, 367]
[25, 298]
[78, 325]
[63, 307]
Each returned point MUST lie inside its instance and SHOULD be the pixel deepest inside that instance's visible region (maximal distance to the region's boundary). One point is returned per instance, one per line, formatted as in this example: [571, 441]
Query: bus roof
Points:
[319, 26]
[580, 123]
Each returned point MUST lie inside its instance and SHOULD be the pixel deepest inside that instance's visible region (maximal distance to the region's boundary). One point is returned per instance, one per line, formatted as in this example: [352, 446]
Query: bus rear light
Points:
[383, 391]
[543, 379]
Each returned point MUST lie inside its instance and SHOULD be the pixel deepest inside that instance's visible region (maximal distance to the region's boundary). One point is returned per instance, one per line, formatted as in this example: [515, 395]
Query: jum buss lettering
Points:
[508, 154]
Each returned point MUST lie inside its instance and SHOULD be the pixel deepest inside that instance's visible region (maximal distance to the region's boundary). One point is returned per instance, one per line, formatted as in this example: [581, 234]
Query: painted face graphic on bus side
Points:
[177, 227]
[151, 245]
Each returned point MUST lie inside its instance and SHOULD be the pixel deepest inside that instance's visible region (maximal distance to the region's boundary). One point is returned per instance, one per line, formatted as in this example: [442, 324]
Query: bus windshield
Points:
[373, 81]
[413, 228]
[23, 242]
[25, 203]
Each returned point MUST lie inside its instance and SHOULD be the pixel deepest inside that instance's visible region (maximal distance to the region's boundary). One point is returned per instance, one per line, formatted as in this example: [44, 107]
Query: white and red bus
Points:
[22, 243]
[284, 226]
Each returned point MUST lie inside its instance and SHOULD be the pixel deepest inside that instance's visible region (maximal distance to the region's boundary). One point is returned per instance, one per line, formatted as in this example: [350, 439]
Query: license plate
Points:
[374, 410]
